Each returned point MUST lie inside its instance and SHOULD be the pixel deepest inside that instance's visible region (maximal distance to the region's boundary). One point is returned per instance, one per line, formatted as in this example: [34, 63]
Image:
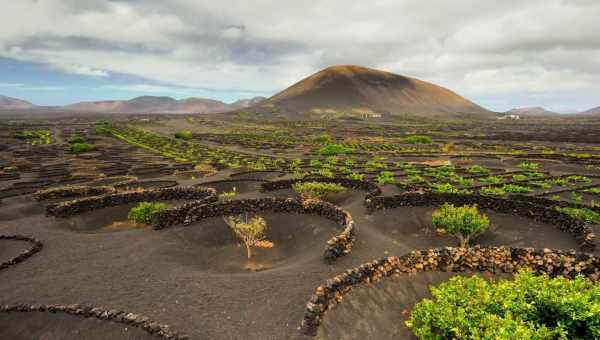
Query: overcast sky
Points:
[500, 54]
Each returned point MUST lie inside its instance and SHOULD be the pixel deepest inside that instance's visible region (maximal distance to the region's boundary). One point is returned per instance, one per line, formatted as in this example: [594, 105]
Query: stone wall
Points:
[337, 246]
[529, 209]
[74, 207]
[72, 191]
[371, 188]
[37, 246]
[88, 311]
[449, 259]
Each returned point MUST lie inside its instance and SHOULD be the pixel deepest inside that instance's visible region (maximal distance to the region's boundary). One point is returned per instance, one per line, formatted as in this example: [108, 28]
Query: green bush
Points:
[317, 189]
[463, 222]
[183, 134]
[334, 149]
[417, 139]
[142, 213]
[527, 307]
[492, 191]
[583, 214]
[385, 177]
[491, 180]
[593, 191]
[529, 166]
[477, 169]
[355, 176]
[77, 139]
[444, 188]
[81, 147]
[516, 189]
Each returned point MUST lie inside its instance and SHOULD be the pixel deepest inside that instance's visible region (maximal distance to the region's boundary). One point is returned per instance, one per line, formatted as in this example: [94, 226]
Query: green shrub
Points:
[492, 191]
[491, 180]
[516, 189]
[529, 166]
[77, 139]
[583, 214]
[334, 149]
[417, 139]
[444, 188]
[385, 177]
[477, 169]
[142, 213]
[316, 189]
[183, 134]
[527, 307]
[355, 176]
[81, 147]
[463, 222]
[227, 196]
[593, 191]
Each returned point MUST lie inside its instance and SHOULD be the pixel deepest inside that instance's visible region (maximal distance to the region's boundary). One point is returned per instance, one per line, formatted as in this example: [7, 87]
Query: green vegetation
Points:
[582, 214]
[593, 191]
[316, 189]
[35, 137]
[227, 196]
[417, 139]
[527, 307]
[142, 213]
[355, 176]
[77, 139]
[444, 188]
[183, 134]
[81, 147]
[516, 189]
[477, 169]
[492, 191]
[529, 166]
[385, 177]
[541, 184]
[491, 180]
[463, 222]
[577, 197]
[324, 139]
[334, 149]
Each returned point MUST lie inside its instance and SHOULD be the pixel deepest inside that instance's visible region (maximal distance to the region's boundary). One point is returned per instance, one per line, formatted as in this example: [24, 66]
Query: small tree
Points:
[313, 190]
[463, 222]
[250, 231]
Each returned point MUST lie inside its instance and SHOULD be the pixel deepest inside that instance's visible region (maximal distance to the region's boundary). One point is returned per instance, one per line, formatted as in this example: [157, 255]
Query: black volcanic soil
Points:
[61, 326]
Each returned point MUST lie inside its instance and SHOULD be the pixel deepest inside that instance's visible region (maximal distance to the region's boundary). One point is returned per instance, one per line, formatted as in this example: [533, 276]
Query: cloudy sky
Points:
[500, 54]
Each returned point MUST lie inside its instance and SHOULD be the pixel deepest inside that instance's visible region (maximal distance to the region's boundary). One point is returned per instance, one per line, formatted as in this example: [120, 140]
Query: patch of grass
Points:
[492, 191]
[516, 189]
[142, 213]
[385, 177]
[478, 169]
[77, 139]
[527, 307]
[335, 149]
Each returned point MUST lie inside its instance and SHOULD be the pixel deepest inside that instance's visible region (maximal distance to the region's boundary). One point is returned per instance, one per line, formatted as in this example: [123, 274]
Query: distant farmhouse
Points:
[510, 117]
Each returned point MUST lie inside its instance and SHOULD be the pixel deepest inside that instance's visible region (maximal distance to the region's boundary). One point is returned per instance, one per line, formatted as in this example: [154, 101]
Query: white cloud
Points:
[480, 49]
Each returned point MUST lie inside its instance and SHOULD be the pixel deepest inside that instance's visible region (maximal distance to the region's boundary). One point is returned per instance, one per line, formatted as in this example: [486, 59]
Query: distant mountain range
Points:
[145, 104]
[537, 111]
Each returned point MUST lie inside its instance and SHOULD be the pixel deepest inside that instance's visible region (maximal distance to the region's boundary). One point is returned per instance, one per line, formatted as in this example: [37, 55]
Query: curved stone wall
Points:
[37, 246]
[70, 208]
[529, 209]
[449, 259]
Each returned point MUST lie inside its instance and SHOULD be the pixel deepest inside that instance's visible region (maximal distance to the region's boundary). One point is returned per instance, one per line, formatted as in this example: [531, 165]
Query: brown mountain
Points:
[359, 90]
[9, 103]
[144, 104]
[535, 111]
[594, 111]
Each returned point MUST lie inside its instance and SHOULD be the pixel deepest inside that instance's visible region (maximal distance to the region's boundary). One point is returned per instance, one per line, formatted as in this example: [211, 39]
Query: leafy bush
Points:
[183, 134]
[316, 189]
[81, 147]
[583, 214]
[463, 222]
[355, 176]
[375, 164]
[142, 213]
[417, 139]
[385, 177]
[593, 191]
[477, 169]
[527, 307]
[491, 180]
[77, 139]
[492, 191]
[227, 196]
[516, 189]
[444, 188]
[577, 197]
[334, 149]
[579, 179]
[529, 166]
